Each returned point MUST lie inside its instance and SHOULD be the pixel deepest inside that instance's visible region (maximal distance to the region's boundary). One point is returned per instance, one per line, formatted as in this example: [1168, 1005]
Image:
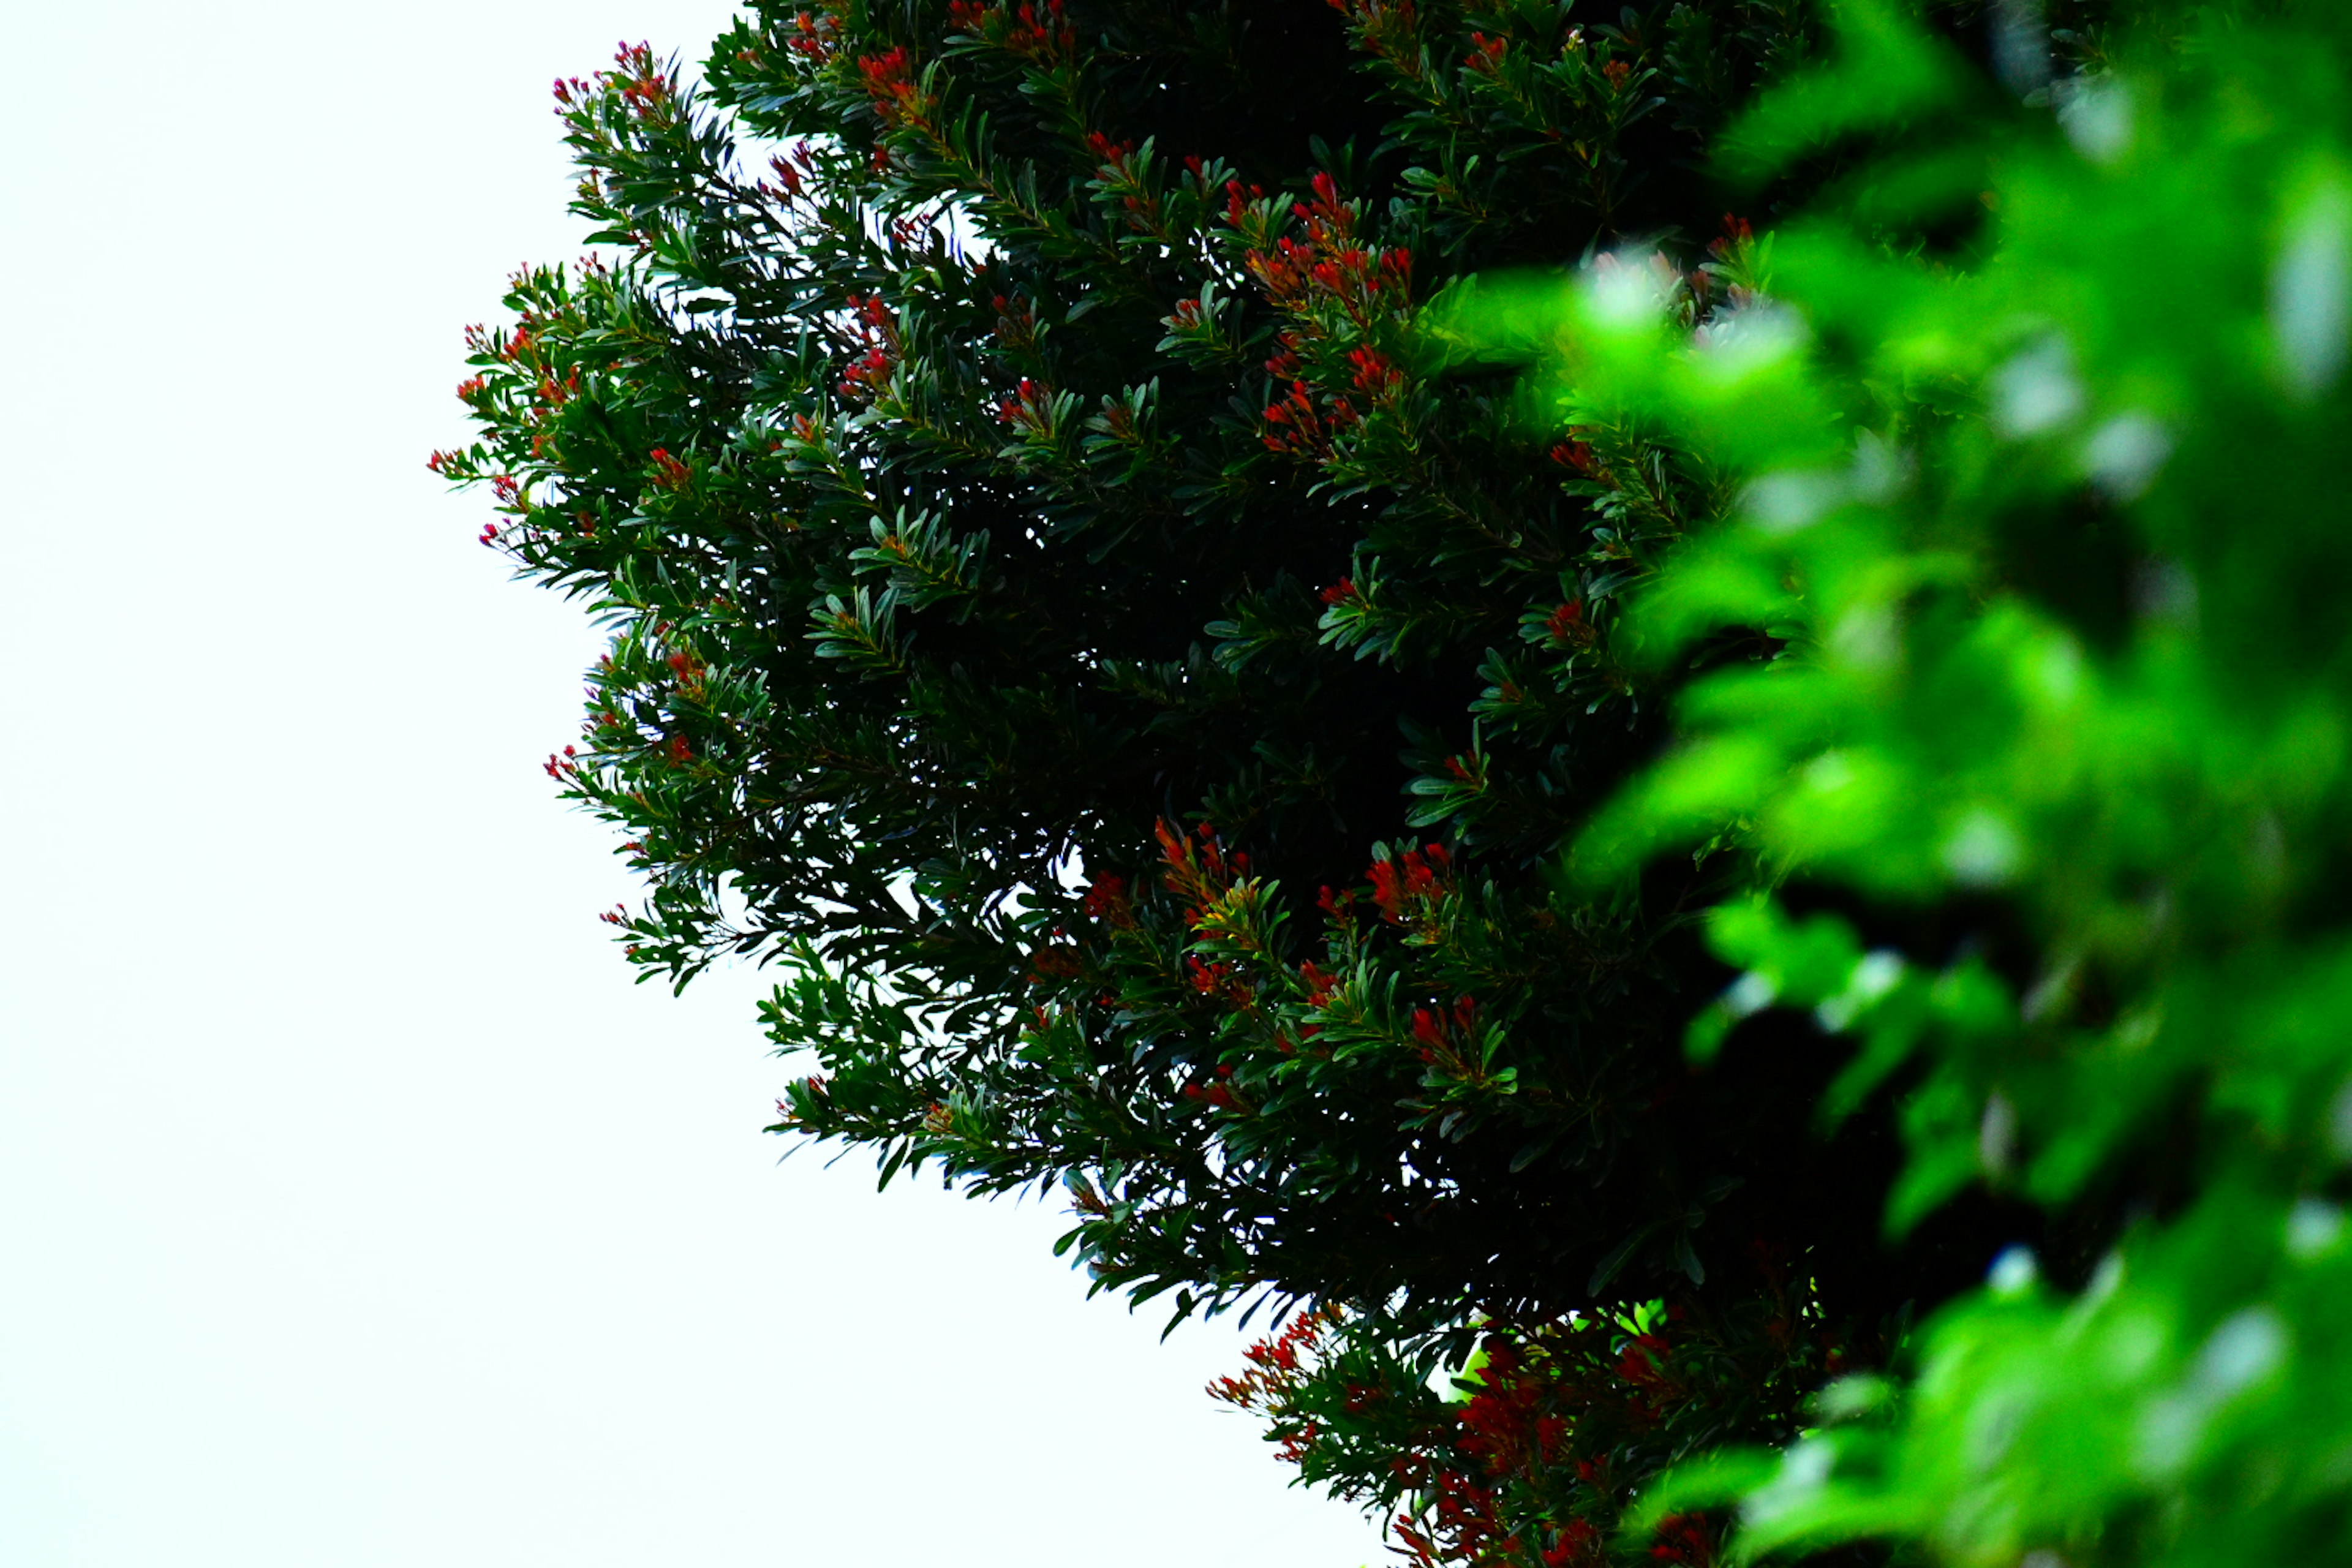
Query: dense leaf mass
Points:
[1260, 604]
[1034, 460]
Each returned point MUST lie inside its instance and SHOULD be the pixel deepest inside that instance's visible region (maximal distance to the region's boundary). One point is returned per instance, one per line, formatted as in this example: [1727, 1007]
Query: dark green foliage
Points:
[1041, 453]
[1096, 600]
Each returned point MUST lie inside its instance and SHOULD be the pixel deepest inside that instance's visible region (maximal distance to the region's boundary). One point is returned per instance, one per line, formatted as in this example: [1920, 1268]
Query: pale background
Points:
[354, 1208]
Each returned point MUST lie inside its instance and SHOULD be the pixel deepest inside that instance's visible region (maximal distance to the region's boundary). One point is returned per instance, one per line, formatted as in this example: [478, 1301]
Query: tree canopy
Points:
[1594, 703]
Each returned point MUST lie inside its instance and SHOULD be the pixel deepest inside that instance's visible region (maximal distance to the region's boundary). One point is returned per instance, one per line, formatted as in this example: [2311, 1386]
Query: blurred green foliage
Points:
[2037, 433]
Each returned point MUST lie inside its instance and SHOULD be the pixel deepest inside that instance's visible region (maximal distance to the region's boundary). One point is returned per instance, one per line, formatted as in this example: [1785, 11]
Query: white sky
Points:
[354, 1208]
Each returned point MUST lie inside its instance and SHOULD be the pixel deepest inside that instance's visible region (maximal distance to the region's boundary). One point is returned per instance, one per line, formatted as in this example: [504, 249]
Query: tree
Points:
[1075, 509]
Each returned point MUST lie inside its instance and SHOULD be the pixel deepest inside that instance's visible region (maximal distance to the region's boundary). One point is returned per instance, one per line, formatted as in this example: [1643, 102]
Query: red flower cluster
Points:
[1389, 28]
[1190, 317]
[1643, 1381]
[1578, 1545]
[1328, 263]
[1217, 1092]
[1198, 869]
[1376, 374]
[1107, 899]
[812, 37]
[1435, 1029]
[1112, 154]
[1303, 277]
[1208, 979]
[792, 170]
[1117, 174]
[891, 82]
[1278, 1366]
[1417, 875]
[1240, 200]
[1509, 1423]
[1295, 425]
[1032, 32]
[1028, 406]
[1575, 454]
[650, 94]
[1735, 260]
[1463, 1527]
[1016, 323]
[1281, 1350]
[553, 395]
[1498, 1484]
[877, 331]
[668, 472]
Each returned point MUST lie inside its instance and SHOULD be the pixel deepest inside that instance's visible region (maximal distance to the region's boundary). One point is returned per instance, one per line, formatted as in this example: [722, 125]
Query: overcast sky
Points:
[355, 1207]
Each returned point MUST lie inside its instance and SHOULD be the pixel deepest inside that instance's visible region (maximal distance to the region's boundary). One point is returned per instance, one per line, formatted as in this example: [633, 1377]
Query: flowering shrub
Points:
[1033, 459]
[1531, 1454]
[1099, 600]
